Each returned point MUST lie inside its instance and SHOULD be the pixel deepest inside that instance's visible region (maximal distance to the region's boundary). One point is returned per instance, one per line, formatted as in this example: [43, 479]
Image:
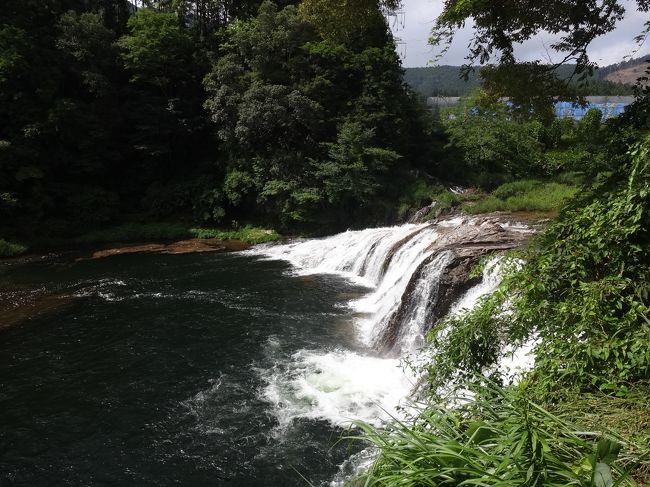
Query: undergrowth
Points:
[499, 438]
[11, 249]
[147, 232]
[526, 195]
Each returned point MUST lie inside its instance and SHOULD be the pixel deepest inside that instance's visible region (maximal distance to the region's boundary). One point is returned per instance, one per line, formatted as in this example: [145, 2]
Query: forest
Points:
[237, 111]
[217, 114]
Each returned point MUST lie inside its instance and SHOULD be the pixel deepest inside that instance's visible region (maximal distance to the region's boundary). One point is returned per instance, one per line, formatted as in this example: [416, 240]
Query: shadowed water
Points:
[158, 372]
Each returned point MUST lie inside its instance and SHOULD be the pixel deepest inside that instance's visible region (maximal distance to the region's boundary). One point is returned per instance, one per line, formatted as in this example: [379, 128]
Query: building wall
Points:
[611, 106]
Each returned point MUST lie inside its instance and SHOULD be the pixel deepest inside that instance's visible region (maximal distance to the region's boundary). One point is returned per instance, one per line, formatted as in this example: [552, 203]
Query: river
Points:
[240, 369]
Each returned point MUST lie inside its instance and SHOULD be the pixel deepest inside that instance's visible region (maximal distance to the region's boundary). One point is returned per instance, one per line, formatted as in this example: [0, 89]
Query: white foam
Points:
[104, 288]
[383, 259]
[518, 359]
[338, 386]
[354, 466]
[492, 276]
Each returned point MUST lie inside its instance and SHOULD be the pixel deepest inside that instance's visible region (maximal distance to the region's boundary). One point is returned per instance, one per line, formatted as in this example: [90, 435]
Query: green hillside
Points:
[448, 81]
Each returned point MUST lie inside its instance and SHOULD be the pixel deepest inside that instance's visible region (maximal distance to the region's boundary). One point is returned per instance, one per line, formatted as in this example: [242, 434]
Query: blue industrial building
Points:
[610, 106]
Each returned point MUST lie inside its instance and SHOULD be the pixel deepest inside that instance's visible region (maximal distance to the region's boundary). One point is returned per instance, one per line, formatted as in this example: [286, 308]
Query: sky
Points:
[414, 26]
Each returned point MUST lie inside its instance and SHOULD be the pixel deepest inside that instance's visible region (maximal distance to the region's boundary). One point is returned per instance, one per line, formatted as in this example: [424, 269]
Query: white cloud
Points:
[421, 14]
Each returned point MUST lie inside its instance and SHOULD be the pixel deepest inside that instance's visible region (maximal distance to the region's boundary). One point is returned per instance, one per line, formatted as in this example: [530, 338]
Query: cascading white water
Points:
[342, 385]
[382, 258]
[358, 255]
[490, 281]
[411, 335]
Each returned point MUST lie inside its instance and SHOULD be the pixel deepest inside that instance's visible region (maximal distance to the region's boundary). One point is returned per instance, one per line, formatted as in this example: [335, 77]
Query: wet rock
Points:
[465, 245]
[192, 246]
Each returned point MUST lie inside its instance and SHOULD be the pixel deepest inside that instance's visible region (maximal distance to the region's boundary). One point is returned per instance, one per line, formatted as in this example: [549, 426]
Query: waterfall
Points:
[415, 274]
[402, 265]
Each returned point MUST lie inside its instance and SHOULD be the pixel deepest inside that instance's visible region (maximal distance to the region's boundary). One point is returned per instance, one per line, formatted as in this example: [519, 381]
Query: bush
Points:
[421, 194]
[249, 235]
[11, 249]
[495, 145]
[584, 290]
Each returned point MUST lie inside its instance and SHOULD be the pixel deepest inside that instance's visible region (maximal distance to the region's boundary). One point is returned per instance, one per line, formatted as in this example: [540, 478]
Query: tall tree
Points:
[500, 26]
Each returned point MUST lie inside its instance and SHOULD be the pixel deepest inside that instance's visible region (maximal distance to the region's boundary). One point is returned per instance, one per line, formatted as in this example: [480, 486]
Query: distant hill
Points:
[613, 80]
[440, 81]
[627, 72]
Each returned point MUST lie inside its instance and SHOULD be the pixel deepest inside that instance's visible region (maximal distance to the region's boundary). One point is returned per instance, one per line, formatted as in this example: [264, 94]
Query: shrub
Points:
[11, 249]
[584, 290]
[248, 234]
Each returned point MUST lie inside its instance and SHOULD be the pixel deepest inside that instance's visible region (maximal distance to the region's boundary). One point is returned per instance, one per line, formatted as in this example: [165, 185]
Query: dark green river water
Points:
[156, 372]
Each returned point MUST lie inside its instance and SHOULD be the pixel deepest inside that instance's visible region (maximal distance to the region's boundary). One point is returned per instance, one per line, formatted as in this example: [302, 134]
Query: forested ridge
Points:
[447, 80]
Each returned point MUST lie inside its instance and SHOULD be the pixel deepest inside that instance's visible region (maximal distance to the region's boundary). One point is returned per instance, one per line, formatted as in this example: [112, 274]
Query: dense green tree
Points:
[345, 20]
[500, 26]
[157, 51]
[311, 125]
[353, 172]
[104, 112]
[167, 137]
[495, 147]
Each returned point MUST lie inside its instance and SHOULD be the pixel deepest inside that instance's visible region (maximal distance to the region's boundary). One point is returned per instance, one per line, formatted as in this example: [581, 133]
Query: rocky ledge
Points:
[465, 245]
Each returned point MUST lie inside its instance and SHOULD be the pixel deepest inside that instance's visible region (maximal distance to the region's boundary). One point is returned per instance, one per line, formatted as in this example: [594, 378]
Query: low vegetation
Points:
[502, 437]
[166, 232]
[11, 249]
[525, 195]
[249, 235]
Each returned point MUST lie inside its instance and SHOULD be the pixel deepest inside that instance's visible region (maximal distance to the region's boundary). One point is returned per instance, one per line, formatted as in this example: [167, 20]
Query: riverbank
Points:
[174, 238]
[17, 306]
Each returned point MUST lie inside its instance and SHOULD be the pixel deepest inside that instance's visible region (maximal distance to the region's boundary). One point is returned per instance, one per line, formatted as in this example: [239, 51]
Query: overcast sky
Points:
[420, 14]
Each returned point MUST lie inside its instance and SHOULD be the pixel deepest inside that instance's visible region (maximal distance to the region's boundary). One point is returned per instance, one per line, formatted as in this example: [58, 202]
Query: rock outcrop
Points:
[464, 245]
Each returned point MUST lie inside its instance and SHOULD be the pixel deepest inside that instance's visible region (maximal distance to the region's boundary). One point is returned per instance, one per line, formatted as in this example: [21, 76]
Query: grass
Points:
[11, 249]
[627, 417]
[499, 438]
[249, 235]
[526, 195]
[160, 232]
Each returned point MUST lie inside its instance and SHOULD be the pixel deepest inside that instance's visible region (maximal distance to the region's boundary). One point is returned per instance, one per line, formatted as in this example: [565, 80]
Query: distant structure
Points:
[398, 23]
[610, 106]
